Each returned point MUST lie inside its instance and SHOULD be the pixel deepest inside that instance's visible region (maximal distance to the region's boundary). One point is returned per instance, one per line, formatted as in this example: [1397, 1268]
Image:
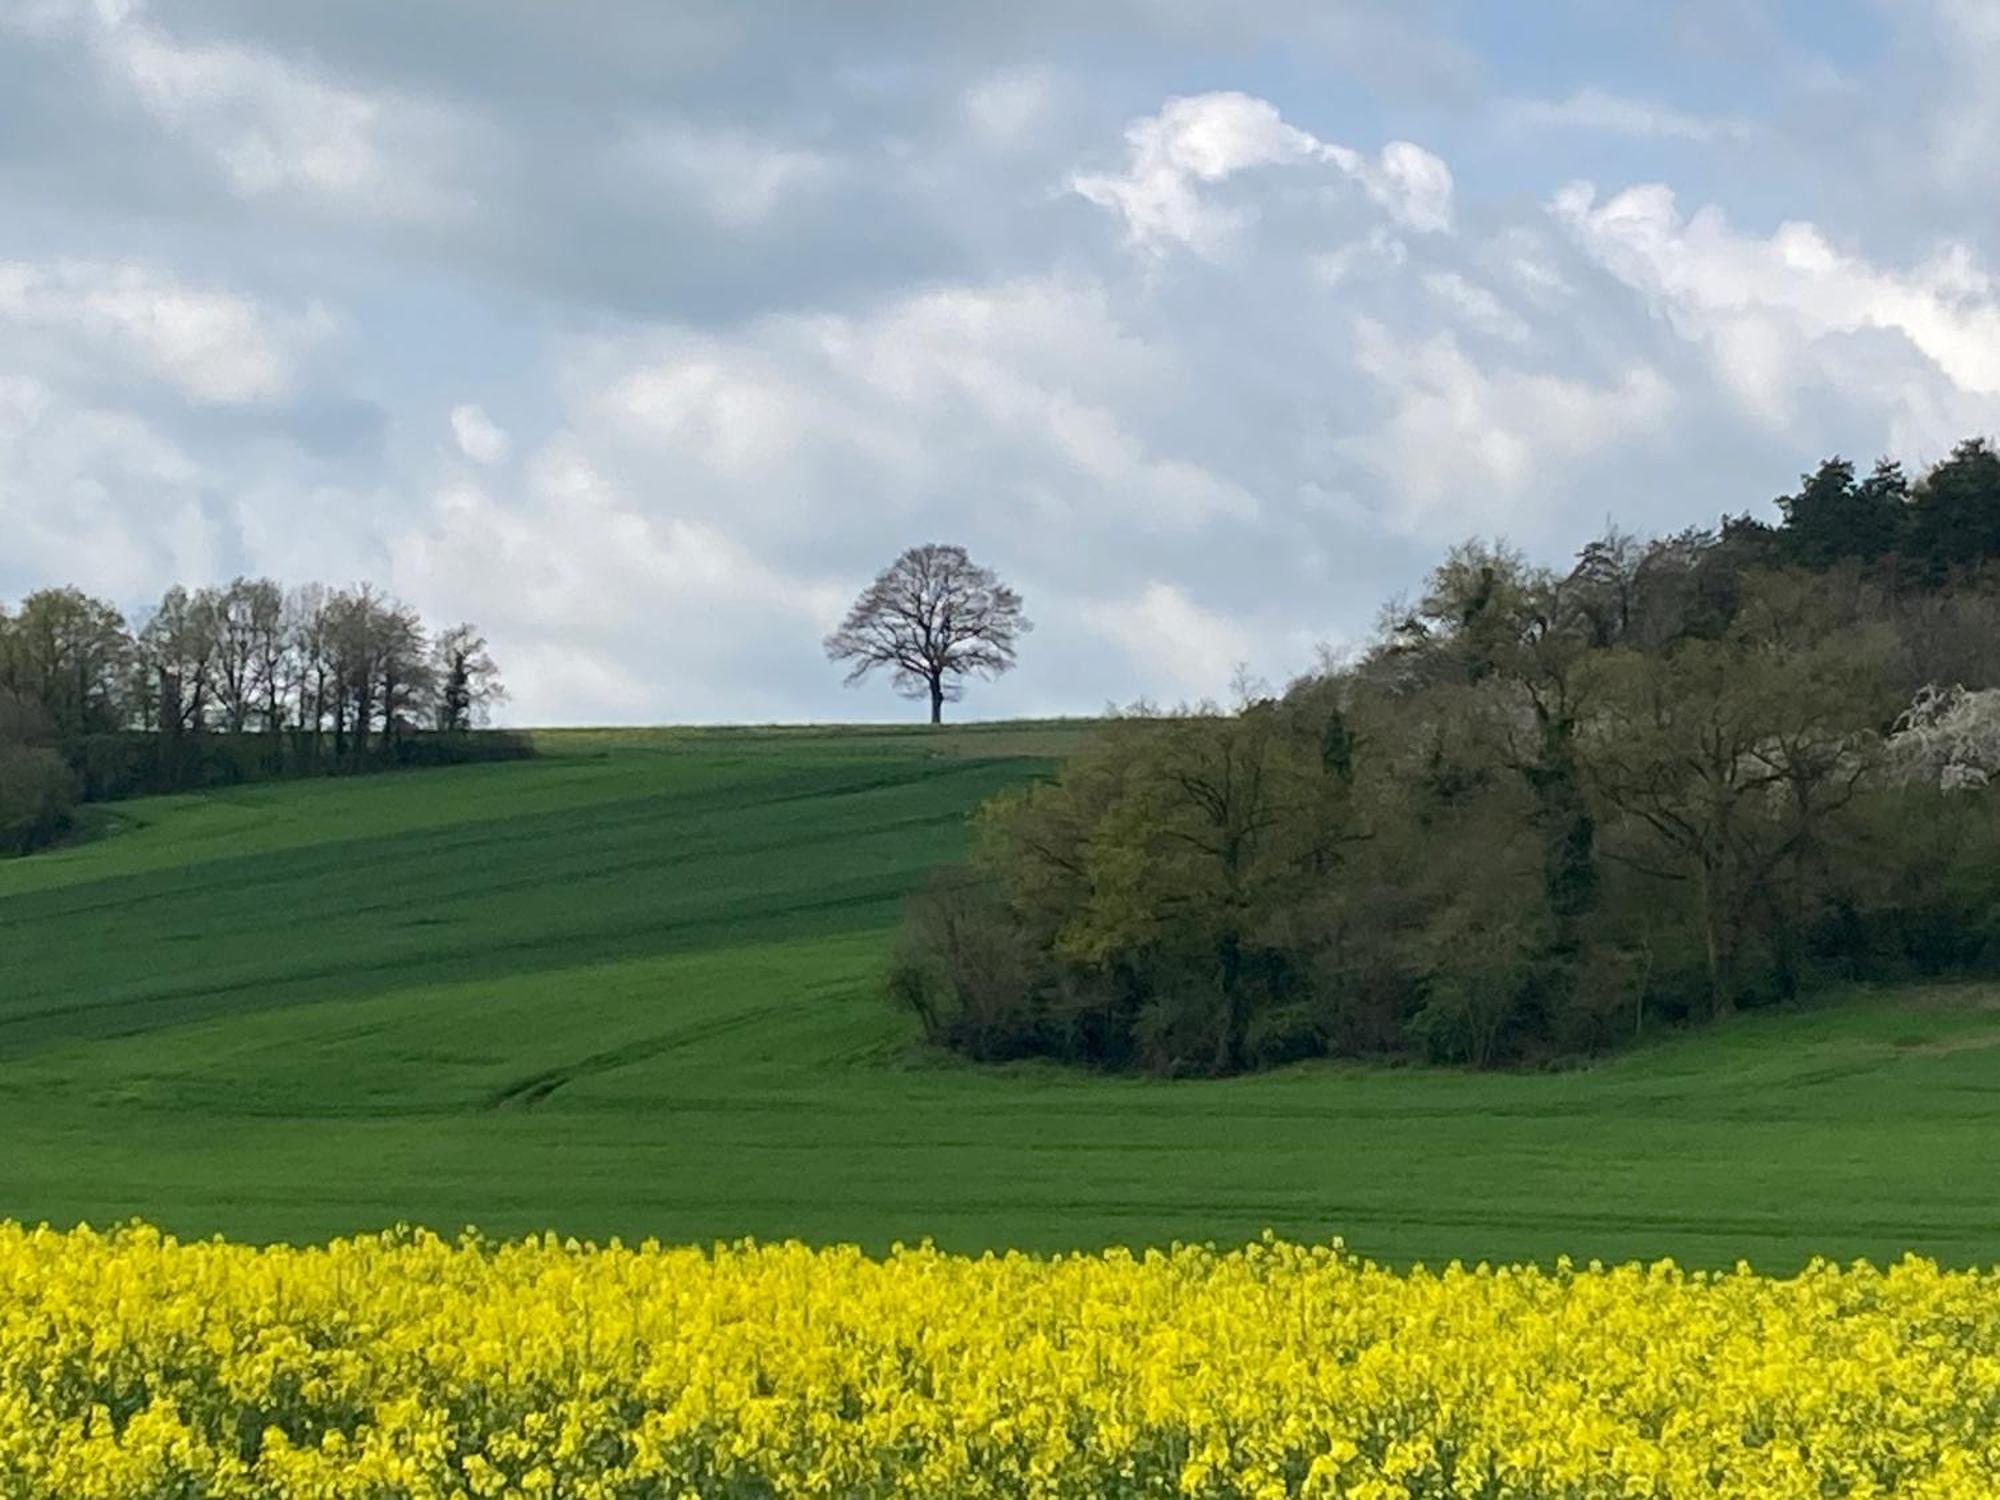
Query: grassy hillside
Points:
[632, 988]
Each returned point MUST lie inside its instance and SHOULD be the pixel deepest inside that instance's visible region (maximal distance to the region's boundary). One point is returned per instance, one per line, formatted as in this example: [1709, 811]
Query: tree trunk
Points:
[170, 729]
[1229, 973]
[1787, 955]
[937, 700]
[1718, 937]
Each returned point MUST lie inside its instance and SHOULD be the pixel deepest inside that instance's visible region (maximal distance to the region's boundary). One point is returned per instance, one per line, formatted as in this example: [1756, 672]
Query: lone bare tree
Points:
[932, 616]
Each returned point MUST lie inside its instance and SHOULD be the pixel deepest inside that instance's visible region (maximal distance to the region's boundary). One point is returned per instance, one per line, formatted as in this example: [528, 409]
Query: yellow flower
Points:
[134, 1366]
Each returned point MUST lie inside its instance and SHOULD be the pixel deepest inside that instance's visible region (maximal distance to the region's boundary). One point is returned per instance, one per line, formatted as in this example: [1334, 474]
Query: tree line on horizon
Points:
[242, 681]
[1544, 811]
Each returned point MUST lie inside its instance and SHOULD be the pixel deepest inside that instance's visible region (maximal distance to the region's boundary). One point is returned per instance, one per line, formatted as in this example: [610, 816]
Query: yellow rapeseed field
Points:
[409, 1366]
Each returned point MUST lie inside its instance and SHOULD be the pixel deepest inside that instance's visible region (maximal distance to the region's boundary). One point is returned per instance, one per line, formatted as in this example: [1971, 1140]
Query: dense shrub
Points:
[37, 790]
[132, 764]
[37, 795]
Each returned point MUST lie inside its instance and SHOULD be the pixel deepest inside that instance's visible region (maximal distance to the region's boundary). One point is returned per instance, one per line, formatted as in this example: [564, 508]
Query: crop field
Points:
[633, 988]
[135, 1368]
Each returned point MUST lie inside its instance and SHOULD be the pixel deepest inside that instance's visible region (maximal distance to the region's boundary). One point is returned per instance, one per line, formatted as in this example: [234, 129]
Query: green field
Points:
[634, 988]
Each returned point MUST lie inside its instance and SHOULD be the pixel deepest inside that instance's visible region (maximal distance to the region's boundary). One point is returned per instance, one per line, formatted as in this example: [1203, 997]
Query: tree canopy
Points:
[931, 618]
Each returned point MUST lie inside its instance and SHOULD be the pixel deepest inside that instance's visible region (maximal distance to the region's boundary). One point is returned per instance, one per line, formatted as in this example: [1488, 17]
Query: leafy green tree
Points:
[1728, 760]
[1834, 519]
[71, 654]
[1518, 634]
[1955, 512]
[1152, 872]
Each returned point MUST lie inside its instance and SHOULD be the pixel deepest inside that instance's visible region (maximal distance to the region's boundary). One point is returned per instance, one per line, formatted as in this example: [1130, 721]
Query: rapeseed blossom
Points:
[409, 1366]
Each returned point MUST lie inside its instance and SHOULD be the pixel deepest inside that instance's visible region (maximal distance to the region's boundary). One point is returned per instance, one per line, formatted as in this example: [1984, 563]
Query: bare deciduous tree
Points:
[246, 615]
[178, 648]
[407, 684]
[309, 644]
[931, 617]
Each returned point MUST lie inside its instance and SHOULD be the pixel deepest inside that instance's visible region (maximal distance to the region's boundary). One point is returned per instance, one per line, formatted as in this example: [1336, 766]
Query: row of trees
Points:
[1916, 532]
[222, 683]
[1544, 810]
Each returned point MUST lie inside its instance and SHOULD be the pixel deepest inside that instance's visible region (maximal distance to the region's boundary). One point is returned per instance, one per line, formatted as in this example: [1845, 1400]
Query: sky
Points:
[643, 335]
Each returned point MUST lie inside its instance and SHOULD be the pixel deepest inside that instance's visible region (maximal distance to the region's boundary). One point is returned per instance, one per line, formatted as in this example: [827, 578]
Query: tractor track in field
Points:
[535, 1089]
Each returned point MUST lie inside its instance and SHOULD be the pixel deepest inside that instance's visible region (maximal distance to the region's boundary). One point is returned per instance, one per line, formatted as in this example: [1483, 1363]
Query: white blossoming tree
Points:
[1948, 738]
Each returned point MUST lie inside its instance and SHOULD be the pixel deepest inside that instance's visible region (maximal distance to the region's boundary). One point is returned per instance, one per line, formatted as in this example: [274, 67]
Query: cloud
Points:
[1205, 139]
[1412, 184]
[67, 476]
[1777, 313]
[740, 181]
[1963, 115]
[1476, 306]
[1008, 105]
[1472, 448]
[1162, 332]
[267, 126]
[1014, 388]
[477, 436]
[602, 591]
[1599, 110]
[1172, 639]
[1379, 251]
[213, 346]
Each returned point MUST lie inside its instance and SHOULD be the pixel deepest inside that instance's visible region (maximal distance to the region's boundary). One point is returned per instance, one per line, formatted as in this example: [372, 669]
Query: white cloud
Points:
[478, 437]
[1470, 449]
[1192, 141]
[1766, 307]
[1172, 639]
[1021, 381]
[1526, 255]
[1597, 109]
[68, 474]
[609, 600]
[1412, 184]
[550, 682]
[213, 346]
[1006, 106]
[1205, 139]
[714, 406]
[1476, 306]
[1378, 251]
